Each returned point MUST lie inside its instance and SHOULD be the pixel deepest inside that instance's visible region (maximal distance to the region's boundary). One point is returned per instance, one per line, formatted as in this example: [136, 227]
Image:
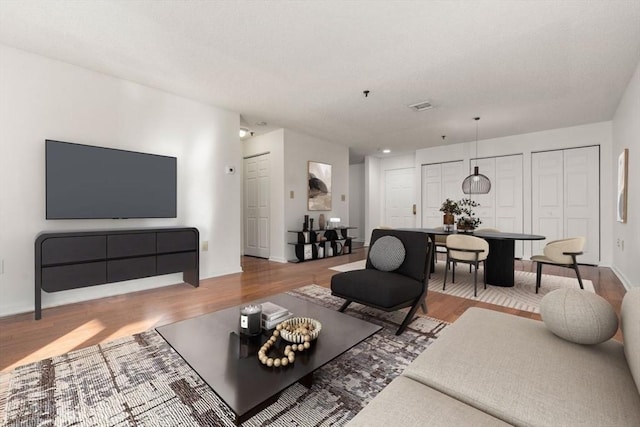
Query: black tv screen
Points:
[84, 182]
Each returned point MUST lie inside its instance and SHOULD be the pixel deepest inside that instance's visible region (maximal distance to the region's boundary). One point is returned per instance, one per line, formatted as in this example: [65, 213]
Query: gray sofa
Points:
[491, 368]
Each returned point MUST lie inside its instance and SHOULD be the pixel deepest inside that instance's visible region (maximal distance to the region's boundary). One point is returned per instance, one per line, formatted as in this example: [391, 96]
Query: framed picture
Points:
[319, 186]
[621, 205]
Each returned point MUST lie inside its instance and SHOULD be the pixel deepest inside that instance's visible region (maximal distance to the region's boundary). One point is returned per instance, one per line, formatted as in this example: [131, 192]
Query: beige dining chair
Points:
[561, 253]
[440, 242]
[467, 250]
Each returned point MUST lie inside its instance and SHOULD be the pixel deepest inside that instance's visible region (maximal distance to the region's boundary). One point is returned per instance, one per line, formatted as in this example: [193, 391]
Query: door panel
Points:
[256, 206]
[547, 195]
[399, 198]
[582, 200]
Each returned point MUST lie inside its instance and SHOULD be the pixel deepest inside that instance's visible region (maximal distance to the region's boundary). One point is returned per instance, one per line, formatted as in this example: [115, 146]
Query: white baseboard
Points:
[278, 259]
[625, 281]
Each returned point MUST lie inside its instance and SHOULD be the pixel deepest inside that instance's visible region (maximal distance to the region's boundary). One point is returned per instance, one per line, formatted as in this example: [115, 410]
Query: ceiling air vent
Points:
[421, 106]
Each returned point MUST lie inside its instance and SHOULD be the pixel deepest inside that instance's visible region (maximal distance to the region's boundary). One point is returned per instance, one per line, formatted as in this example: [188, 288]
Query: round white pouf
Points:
[578, 316]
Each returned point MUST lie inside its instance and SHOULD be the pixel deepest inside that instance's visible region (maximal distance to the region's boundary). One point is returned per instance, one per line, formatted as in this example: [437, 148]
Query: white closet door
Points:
[453, 173]
[399, 198]
[547, 197]
[581, 199]
[431, 195]
[439, 182]
[509, 216]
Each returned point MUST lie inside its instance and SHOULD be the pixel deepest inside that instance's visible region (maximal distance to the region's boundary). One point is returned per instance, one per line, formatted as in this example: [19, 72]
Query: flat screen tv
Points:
[87, 182]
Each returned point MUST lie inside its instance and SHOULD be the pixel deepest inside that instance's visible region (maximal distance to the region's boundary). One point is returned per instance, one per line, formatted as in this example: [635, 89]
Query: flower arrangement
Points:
[469, 220]
[449, 207]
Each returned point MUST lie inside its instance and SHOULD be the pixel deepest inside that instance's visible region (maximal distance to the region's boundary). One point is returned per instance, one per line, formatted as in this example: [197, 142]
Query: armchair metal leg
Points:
[424, 306]
[538, 276]
[344, 306]
[575, 267]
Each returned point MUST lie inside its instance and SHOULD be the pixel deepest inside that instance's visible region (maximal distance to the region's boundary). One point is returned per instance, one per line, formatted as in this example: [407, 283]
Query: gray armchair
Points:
[391, 280]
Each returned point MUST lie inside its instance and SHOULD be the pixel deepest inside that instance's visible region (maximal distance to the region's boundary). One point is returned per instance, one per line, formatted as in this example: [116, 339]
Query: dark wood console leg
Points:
[191, 277]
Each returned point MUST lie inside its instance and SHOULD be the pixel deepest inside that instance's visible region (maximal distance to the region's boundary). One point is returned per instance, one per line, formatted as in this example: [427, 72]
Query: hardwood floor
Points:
[70, 327]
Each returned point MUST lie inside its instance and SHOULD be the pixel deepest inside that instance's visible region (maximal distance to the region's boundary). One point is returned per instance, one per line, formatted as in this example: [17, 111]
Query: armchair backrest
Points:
[417, 252]
[555, 249]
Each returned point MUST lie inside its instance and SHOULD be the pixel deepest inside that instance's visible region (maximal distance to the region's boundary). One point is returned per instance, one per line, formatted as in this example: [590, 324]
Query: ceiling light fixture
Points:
[476, 183]
[421, 106]
[244, 132]
[386, 151]
[261, 123]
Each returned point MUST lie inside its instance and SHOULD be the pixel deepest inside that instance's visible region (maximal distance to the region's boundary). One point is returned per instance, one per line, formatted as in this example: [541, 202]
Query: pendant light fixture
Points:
[476, 183]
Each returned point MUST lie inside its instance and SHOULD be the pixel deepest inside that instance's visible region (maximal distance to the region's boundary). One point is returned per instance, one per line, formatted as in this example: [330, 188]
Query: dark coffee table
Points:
[229, 364]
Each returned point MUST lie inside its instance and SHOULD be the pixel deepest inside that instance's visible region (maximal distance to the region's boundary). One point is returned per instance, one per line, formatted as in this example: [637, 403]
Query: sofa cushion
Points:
[516, 370]
[578, 316]
[373, 287]
[630, 325]
[387, 253]
[405, 402]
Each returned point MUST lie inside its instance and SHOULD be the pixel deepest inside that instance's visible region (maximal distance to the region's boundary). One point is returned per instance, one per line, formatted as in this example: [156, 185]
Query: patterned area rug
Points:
[140, 381]
[521, 296]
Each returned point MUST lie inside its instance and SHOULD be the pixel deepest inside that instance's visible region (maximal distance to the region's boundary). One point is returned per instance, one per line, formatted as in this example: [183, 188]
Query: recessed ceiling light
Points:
[421, 106]
[386, 151]
[243, 132]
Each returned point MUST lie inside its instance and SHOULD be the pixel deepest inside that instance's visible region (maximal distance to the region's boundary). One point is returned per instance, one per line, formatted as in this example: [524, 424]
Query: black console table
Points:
[317, 244]
[70, 260]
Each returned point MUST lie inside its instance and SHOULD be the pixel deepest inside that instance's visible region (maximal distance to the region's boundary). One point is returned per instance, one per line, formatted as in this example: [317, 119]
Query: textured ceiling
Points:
[522, 66]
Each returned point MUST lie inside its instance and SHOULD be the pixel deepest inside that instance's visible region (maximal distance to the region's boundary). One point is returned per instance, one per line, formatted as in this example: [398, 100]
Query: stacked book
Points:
[272, 314]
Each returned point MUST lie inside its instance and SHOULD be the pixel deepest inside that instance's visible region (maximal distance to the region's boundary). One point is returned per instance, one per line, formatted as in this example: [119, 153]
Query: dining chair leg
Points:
[446, 270]
[453, 272]
[538, 276]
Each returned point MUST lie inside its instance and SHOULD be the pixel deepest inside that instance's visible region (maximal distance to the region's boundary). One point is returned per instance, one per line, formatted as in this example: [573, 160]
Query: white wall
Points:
[46, 99]
[356, 201]
[273, 143]
[577, 136]
[298, 150]
[626, 134]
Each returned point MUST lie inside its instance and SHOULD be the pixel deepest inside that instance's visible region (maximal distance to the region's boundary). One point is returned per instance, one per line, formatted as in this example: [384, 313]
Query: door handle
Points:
[414, 208]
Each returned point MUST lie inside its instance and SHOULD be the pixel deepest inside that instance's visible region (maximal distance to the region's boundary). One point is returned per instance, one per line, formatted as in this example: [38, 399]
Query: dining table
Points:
[502, 251]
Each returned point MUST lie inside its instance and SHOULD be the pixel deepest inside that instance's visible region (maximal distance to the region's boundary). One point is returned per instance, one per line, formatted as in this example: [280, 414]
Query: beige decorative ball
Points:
[300, 347]
[269, 362]
[276, 333]
[307, 344]
[286, 349]
[292, 357]
[284, 361]
[276, 363]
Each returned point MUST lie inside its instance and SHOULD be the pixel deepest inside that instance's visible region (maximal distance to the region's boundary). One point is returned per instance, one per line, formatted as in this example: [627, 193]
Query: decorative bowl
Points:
[299, 322]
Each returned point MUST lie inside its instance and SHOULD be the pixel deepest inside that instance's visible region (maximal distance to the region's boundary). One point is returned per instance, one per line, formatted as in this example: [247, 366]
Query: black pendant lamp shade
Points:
[476, 183]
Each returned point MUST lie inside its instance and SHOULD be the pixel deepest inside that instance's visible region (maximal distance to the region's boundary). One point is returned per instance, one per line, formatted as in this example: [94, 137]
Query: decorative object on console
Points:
[319, 187]
[321, 222]
[305, 224]
[476, 183]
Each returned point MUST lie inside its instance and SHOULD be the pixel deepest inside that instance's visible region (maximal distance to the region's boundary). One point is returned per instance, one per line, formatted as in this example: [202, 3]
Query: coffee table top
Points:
[229, 364]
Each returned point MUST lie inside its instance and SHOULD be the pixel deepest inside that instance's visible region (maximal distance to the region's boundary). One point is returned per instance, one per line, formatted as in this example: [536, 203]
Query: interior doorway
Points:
[256, 205]
[399, 205]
